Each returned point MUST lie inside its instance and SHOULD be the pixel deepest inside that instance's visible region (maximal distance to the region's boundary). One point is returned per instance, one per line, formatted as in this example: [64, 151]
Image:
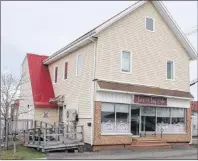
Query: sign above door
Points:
[148, 100]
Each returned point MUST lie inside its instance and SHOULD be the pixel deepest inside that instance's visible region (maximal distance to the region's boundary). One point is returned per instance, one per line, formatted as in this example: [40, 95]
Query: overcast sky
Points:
[44, 27]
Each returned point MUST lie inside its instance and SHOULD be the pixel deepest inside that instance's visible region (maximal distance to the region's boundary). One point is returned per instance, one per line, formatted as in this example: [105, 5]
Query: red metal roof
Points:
[42, 89]
[194, 106]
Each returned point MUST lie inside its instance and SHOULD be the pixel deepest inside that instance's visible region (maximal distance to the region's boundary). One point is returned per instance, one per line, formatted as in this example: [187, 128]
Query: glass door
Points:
[135, 120]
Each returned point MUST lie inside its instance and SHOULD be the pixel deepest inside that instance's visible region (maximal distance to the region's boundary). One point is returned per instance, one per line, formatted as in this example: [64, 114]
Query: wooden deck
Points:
[55, 138]
[45, 136]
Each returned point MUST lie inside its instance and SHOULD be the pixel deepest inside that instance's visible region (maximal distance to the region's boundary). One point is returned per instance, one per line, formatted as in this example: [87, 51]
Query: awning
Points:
[140, 89]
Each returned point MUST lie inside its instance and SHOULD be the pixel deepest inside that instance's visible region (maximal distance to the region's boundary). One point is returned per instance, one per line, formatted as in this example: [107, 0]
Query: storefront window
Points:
[122, 118]
[178, 119]
[108, 117]
[163, 119]
[115, 118]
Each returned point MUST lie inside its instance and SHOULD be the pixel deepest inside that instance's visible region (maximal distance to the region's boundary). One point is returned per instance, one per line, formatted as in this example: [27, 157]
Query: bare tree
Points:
[10, 87]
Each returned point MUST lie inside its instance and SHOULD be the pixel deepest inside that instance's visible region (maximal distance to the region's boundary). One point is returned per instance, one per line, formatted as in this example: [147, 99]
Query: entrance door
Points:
[135, 118]
[60, 114]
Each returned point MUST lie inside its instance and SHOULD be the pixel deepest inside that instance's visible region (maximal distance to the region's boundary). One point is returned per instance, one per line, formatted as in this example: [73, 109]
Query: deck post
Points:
[67, 131]
[41, 124]
[63, 135]
[39, 137]
[33, 136]
[82, 133]
[44, 139]
[27, 125]
[31, 124]
[28, 137]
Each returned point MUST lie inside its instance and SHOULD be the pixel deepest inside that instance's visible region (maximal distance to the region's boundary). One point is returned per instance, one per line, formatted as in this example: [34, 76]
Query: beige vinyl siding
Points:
[76, 89]
[150, 52]
[52, 114]
[26, 97]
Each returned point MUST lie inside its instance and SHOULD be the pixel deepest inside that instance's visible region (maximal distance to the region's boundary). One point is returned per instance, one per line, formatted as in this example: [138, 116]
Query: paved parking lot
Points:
[173, 153]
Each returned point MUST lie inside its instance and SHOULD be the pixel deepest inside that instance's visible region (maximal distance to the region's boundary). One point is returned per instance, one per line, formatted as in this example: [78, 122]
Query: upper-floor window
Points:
[149, 24]
[55, 74]
[65, 70]
[79, 65]
[170, 70]
[126, 61]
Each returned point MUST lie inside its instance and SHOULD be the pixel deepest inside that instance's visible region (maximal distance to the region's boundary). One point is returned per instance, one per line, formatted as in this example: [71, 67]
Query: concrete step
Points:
[159, 145]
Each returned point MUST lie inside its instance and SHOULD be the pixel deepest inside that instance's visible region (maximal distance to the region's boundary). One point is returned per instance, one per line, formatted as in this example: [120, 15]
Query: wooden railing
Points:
[46, 136]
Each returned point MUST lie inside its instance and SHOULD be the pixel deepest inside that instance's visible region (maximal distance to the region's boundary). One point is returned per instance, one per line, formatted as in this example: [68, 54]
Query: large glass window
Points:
[163, 119]
[122, 118]
[178, 119]
[115, 118]
[108, 118]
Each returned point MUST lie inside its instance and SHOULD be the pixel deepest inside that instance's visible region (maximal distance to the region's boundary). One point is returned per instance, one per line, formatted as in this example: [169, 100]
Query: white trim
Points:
[153, 23]
[130, 61]
[108, 90]
[54, 75]
[173, 79]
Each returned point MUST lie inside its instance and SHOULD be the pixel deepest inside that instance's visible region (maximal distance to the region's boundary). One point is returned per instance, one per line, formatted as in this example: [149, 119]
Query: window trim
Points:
[153, 23]
[130, 61]
[173, 70]
[64, 70]
[55, 75]
[77, 74]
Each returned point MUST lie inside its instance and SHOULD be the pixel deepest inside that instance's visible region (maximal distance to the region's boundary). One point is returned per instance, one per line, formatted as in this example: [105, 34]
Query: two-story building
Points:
[126, 78]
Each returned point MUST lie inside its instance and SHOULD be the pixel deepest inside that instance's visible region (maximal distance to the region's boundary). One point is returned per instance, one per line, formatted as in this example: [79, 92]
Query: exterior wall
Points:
[150, 52]
[76, 89]
[195, 124]
[52, 114]
[26, 97]
[100, 141]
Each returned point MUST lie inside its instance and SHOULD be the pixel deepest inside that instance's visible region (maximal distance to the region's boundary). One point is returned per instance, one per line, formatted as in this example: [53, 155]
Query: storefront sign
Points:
[150, 100]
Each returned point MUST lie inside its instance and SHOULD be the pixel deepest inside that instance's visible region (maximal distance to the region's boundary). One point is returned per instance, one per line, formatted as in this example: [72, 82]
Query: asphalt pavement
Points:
[164, 153]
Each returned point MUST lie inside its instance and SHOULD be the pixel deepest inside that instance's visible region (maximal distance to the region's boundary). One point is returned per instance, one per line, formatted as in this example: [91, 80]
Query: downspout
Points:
[93, 89]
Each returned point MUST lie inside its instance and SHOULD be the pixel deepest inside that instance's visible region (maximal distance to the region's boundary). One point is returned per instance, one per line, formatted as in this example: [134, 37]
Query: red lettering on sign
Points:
[150, 100]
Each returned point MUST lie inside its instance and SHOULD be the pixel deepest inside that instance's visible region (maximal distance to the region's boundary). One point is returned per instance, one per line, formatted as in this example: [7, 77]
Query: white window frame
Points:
[173, 70]
[54, 75]
[153, 23]
[130, 62]
[64, 70]
[77, 74]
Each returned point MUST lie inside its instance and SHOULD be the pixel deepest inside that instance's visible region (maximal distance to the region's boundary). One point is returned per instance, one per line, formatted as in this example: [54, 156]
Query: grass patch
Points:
[22, 153]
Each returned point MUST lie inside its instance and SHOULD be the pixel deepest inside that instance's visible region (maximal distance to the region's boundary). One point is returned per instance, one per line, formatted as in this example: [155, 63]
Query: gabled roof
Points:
[88, 37]
[42, 89]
